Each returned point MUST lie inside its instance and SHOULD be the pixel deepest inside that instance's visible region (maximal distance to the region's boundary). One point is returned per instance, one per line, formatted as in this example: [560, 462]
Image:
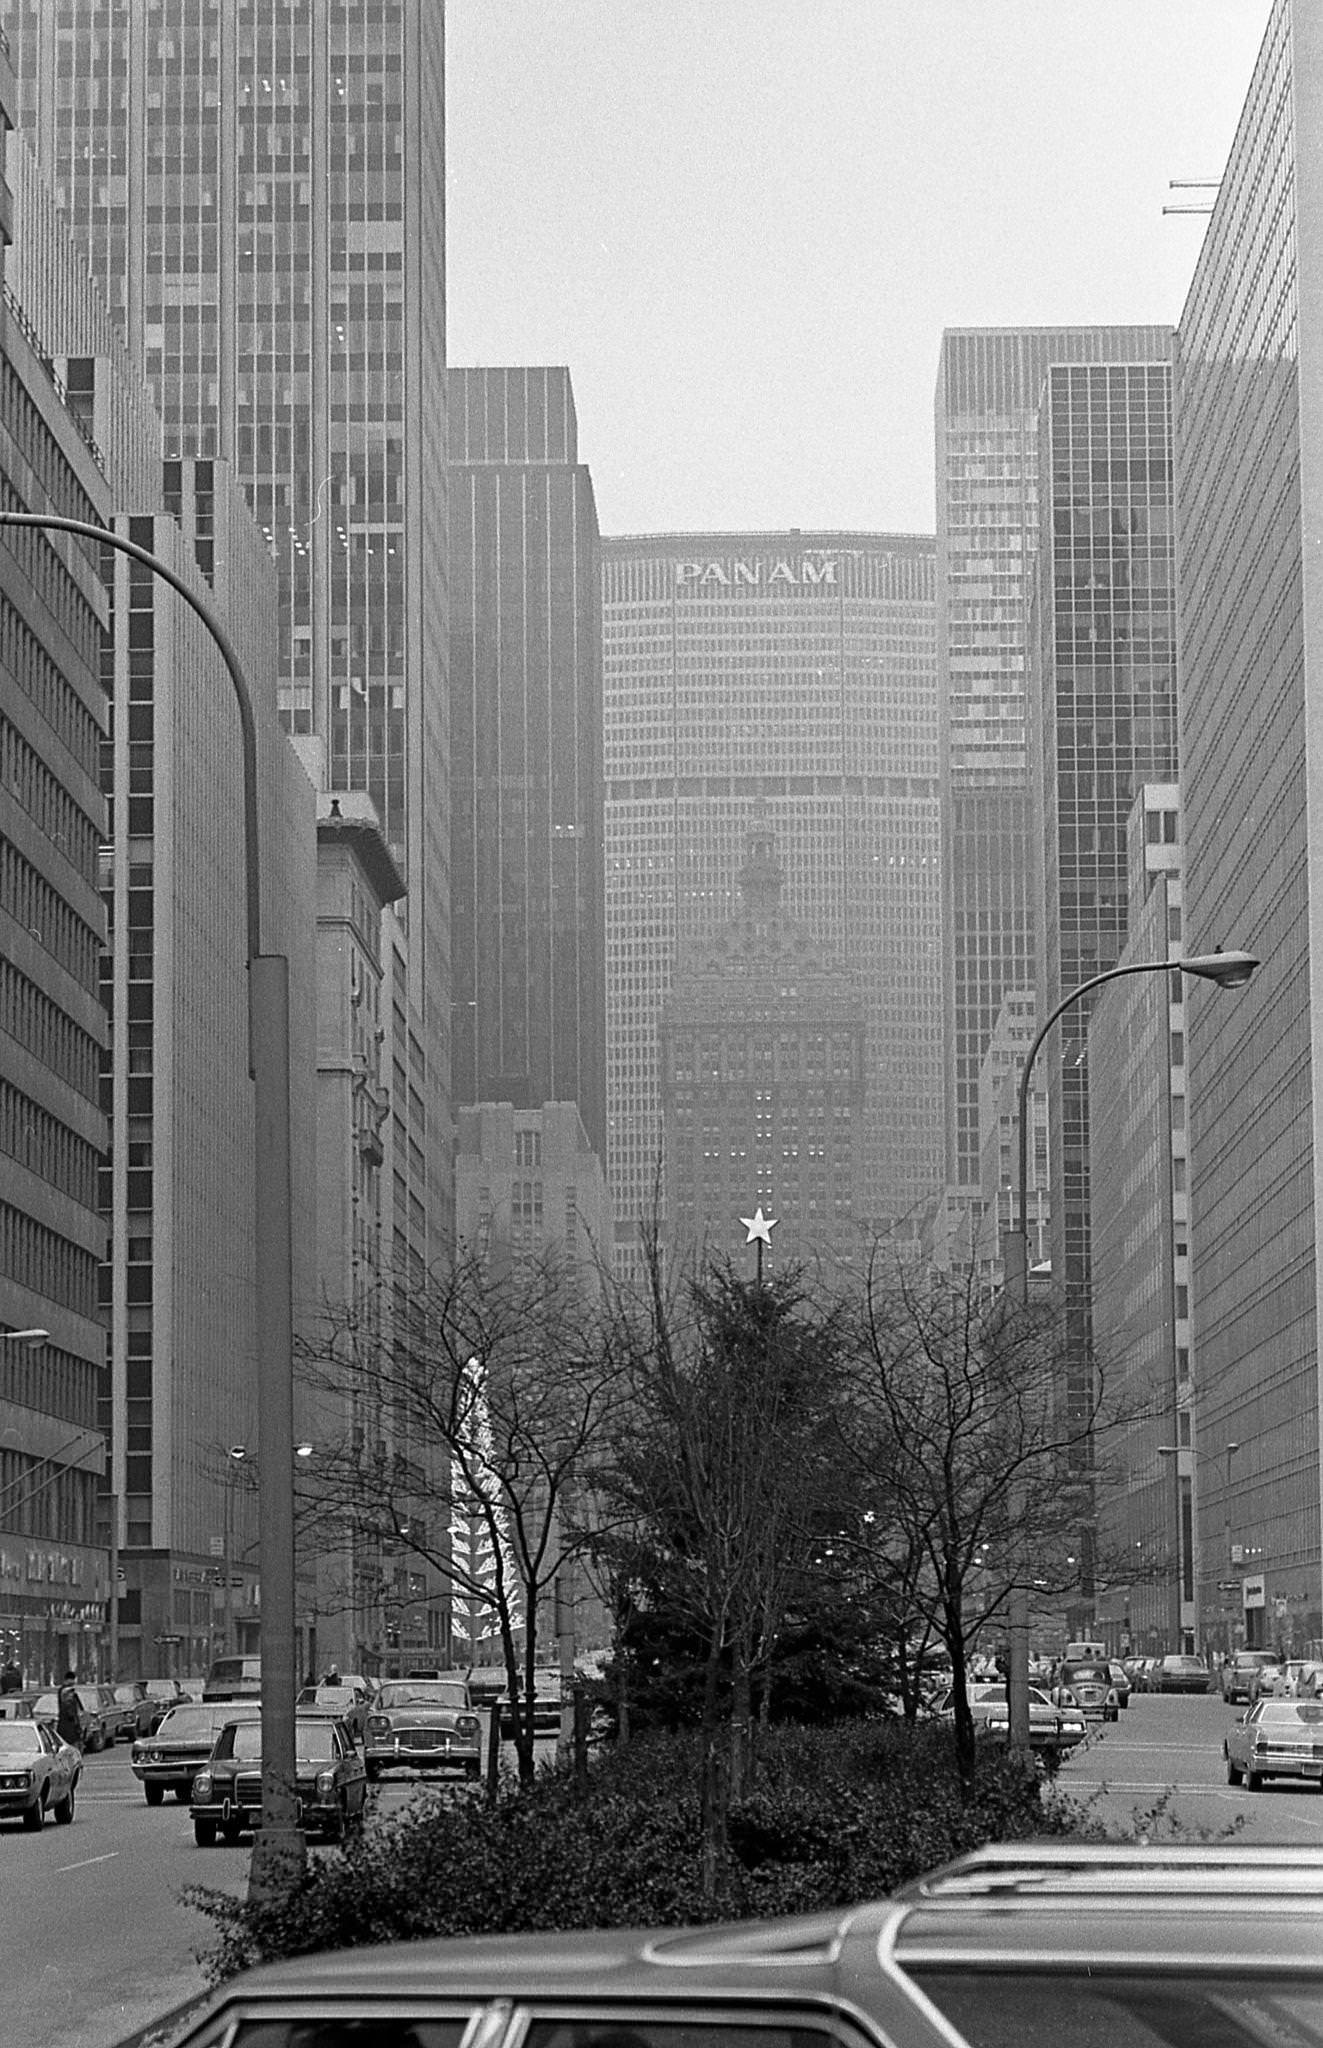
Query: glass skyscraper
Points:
[1101, 723]
[989, 384]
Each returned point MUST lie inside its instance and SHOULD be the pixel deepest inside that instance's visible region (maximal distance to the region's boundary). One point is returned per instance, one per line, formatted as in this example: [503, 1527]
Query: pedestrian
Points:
[69, 1718]
[11, 1678]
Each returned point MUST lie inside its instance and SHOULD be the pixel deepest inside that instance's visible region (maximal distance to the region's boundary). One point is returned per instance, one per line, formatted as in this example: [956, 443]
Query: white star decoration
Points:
[759, 1227]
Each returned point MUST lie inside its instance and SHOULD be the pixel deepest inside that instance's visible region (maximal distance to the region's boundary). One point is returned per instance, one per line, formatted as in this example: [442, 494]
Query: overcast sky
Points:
[743, 224]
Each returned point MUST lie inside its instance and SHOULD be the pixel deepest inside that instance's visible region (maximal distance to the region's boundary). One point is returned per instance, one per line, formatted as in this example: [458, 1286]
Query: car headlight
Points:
[202, 1785]
[377, 1724]
[325, 1784]
[16, 1781]
[1111, 1697]
[466, 1724]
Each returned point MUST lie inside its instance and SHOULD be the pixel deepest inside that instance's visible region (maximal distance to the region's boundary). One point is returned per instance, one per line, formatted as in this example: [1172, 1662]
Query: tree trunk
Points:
[966, 1745]
[713, 1789]
[741, 1719]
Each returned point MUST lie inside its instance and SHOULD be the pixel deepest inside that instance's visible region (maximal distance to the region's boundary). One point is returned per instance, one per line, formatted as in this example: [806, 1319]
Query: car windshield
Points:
[419, 1692]
[1088, 1674]
[18, 1738]
[315, 1741]
[125, 1695]
[1289, 1713]
[160, 1688]
[1183, 1663]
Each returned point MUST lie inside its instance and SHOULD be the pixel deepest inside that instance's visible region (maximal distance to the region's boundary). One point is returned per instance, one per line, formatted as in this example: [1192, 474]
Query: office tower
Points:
[999, 1142]
[529, 1184]
[53, 716]
[1249, 459]
[259, 193]
[989, 383]
[1138, 1101]
[1102, 721]
[786, 676]
[762, 1077]
[176, 1189]
[525, 749]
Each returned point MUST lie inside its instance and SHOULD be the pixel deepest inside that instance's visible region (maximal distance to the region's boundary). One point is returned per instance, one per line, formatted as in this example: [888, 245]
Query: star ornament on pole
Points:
[760, 1230]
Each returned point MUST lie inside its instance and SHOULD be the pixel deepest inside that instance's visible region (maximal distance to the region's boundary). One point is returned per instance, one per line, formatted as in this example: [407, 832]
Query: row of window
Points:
[37, 1023]
[43, 1262]
[36, 905]
[45, 1146]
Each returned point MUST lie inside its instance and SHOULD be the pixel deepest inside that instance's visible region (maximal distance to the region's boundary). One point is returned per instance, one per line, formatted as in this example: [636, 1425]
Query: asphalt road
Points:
[1159, 1770]
[94, 1940]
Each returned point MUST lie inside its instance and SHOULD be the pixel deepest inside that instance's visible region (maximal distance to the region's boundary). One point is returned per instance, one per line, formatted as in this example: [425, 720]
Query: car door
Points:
[353, 1772]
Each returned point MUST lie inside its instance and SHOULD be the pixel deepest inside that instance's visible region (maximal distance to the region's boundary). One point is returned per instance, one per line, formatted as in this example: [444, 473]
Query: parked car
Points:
[347, 1703]
[1037, 1942]
[165, 1693]
[38, 1772]
[1275, 1739]
[1053, 1730]
[1120, 1681]
[546, 1702]
[1236, 1678]
[1181, 1673]
[170, 1758]
[133, 1709]
[233, 1678]
[329, 1780]
[96, 1713]
[423, 1724]
[1088, 1687]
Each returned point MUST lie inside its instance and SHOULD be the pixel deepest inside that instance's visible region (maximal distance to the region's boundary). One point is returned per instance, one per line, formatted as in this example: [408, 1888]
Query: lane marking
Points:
[86, 1864]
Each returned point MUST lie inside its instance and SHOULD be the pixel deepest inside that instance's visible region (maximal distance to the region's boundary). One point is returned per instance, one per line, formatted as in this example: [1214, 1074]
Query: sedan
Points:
[423, 1724]
[38, 1772]
[1239, 1673]
[1052, 1730]
[170, 1759]
[328, 1778]
[347, 1703]
[1276, 1739]
[1180, 1673]
[1121, 1682]
[133, 1709]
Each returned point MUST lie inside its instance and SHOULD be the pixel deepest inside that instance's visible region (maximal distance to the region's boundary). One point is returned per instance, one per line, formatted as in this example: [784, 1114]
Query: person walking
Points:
[69, 1715]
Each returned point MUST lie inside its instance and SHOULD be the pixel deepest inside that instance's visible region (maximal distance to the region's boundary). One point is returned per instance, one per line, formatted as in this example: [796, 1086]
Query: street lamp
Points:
[1226, 970]
[279, 1848]
[31, 1337]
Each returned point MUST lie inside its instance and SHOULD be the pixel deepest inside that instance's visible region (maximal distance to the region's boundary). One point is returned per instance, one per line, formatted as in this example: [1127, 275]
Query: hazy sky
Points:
[743, 224]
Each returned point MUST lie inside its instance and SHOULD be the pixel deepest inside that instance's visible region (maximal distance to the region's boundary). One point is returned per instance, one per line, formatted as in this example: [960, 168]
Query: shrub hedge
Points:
[837, 1814]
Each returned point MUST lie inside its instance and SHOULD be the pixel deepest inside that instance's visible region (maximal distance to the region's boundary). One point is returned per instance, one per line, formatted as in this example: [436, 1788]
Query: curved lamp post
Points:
[279, 1847]
[1226, 970]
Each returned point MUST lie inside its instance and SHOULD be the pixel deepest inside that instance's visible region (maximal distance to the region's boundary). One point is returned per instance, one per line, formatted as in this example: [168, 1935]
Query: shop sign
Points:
[1252, 1594]
[47, 1569]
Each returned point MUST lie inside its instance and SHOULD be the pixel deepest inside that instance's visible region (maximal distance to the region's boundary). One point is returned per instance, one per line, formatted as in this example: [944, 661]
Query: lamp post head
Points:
[1228, 970]
[33, 1337]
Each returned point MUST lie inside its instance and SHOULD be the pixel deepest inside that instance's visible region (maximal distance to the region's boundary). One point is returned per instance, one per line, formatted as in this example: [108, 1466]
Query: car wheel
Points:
[1254, 1781]
[1115, 1714]
[34, 1815]
[182, 1792]
[155, 1794]
[95, 1741]
[231, 1829]
[63, 1809]
[204, 1831]
[373, 1772]
[1234, 1773]
[473, 1771]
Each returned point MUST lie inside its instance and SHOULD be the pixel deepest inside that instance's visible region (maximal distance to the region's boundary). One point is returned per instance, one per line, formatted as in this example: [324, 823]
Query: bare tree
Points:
[473, 1406]
[977, 1439]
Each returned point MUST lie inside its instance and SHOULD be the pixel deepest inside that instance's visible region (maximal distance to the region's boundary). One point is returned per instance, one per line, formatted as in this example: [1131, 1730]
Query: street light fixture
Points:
[279, 1848]
[32, 1337]
[1225, 970]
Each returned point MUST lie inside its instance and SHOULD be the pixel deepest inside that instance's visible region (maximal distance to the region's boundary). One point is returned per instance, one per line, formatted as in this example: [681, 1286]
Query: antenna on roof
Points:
[1192, 185]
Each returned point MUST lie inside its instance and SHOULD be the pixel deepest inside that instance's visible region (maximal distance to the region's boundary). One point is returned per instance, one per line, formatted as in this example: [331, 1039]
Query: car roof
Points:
[1031, 1906]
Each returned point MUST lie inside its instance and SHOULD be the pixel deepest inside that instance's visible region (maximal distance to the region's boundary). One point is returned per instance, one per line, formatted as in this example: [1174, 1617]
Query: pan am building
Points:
[787, 678]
